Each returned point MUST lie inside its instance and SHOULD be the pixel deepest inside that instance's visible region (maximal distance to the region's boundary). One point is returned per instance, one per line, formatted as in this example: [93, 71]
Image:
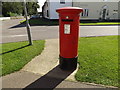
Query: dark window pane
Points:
[62, 1]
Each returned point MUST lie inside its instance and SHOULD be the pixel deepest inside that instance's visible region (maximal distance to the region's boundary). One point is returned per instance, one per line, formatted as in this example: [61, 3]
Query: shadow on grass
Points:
[50, 80]
[15, 49]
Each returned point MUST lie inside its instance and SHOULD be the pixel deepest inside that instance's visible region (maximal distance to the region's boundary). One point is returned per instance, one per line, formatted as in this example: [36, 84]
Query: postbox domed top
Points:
[69, 10]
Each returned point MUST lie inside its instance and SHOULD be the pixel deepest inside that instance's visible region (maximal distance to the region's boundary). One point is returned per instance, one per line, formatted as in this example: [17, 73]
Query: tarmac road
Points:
[16, 34]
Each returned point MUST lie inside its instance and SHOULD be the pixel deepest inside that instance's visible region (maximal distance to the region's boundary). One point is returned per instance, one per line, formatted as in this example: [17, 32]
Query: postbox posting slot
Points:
[67, 20]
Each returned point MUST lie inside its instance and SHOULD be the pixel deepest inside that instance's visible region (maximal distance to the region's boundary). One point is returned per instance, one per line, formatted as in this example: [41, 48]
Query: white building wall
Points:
[96, 7]
[46, 8]
[53, 5]
[96, 0]
[113, 6]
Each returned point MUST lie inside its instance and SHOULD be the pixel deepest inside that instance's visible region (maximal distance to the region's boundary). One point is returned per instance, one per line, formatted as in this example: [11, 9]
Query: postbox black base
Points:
[68, 63]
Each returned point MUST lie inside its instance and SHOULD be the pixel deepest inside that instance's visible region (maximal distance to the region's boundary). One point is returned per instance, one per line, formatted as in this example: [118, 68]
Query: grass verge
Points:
[101, 23]
[41, 21]
[16, 55]
[98, 60]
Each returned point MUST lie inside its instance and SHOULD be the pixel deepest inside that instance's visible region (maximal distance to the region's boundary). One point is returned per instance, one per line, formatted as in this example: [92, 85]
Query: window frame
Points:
[62, 1]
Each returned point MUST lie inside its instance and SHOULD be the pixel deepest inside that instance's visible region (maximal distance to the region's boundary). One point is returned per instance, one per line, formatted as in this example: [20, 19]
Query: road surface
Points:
[15, 34]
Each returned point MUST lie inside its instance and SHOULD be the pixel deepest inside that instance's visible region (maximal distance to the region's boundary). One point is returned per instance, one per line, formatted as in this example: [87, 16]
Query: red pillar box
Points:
[69, 33]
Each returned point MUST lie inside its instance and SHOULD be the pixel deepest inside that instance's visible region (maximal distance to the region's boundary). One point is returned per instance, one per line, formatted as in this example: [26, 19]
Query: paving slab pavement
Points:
[24, 79]
[19, 79]
[47, 60]
[44, 72]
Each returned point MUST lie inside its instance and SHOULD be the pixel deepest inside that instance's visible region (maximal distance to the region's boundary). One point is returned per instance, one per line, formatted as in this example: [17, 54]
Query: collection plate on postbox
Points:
[66, 28]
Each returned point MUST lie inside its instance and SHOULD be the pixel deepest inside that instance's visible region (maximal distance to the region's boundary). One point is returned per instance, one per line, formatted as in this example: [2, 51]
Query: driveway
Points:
[15, 34]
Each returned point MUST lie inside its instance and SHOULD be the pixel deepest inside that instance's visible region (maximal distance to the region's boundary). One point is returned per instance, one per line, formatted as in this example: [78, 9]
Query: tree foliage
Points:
[17, 8]
[11, 7]
[32, 7]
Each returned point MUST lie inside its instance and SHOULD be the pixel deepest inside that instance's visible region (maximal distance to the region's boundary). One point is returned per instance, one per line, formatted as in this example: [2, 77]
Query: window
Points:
[107, 13]
[115, 10]
[62, 1]
[105, 0]
[85, 13]
[47, 4]
[104, 12]
[47, 13]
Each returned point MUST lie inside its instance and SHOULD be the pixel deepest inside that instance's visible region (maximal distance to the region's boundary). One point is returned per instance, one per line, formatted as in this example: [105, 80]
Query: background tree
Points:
[32, 8]
[17, 8]
[11, 7]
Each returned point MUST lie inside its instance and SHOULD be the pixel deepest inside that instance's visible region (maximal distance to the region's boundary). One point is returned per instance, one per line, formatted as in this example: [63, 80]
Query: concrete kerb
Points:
[4, 18]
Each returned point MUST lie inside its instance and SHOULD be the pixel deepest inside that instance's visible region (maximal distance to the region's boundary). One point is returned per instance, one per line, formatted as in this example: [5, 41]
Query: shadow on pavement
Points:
[15, 49]
[51, 79]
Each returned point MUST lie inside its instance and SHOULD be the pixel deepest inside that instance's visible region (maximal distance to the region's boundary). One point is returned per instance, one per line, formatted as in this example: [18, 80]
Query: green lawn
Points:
[16, 55]
[98, 60]
[101, 23]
